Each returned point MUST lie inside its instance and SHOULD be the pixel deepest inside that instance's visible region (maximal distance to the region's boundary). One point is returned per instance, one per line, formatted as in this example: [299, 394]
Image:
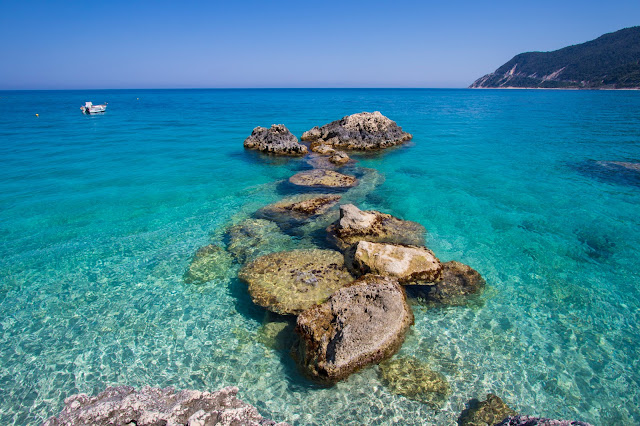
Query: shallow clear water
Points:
[101, 215]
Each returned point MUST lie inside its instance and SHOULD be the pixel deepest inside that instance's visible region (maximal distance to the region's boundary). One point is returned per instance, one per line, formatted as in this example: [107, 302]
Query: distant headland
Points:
[612, 61]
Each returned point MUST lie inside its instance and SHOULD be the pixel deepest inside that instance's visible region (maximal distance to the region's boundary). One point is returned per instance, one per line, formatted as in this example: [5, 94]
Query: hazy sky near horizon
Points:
[198, 44]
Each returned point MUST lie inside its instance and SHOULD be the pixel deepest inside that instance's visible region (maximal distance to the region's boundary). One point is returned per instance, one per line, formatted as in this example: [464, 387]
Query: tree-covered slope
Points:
[610, 61]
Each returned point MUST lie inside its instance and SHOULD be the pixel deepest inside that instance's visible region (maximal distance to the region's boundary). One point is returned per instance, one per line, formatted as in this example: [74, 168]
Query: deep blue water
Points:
[101, 215]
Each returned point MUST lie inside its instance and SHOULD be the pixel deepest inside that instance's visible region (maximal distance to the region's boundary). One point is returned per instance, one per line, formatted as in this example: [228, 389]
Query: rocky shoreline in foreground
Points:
[349, 288]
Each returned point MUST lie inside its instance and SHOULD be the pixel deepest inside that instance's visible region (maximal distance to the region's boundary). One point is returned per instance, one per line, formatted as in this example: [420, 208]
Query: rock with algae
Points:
[123, 405]
[275, 140]
[414, 379]
[488, 412]
[292, 281]
[358, 325]
[209, 263]
[362, 131]
[357, 225]
[323, 178]
[456, 283]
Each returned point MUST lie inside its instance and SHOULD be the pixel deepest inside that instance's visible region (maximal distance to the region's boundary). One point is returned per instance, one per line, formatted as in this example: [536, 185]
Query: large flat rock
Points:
[358, 325]
[323, 178]
[292, 281]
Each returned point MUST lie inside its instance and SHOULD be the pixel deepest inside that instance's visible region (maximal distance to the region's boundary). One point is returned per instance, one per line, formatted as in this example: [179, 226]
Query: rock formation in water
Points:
[209, 263]
[297, 210]
[358, 325]
[456, 283]
[407, 264]
[322, 178]
[339, 158]
[488, 412]
[275, 140]
[362, 131]
[520, 420]
[357, 225]
[252, 238]
[122, 405]
[293, 281]
[414, 379]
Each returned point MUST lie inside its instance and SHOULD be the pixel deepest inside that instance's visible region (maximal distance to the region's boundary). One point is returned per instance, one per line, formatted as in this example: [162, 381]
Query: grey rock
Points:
[276, 140]
[297, 210]
[362, 131]
[358, 325]
[122, 405]
[339, 158]
[538, 421]
[357, 225]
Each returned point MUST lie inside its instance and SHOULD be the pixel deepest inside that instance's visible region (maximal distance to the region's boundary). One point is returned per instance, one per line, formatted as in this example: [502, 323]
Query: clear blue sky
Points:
[171, 44]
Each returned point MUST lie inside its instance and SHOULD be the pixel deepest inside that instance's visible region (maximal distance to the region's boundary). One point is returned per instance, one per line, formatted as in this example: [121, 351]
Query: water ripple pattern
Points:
[101, 215]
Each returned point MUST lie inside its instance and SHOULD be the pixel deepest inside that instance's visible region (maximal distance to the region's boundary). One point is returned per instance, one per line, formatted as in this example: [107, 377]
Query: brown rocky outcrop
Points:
[488, 412]
[362, 131]
[414, 379]
[122, 405]
[209, 263]
[296, 210]
[339, 158]
[322, 178]
[407, 264]
[456, 283]
[275, 140]
[357, 225]
[358, 325]
[293, 281]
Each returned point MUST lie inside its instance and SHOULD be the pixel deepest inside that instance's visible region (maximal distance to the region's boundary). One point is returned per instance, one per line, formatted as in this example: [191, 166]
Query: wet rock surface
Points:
[293, 281]
[456, 283]
[339, 158]
[538, 421]
[295, 211]
[358, 325]
[122, 405]
[357, 225]
[275, 140]
[209, 263]
[322, 178]
[252, 238]
[407, 264]
[414, 379]
[362, 131]
[488, 412]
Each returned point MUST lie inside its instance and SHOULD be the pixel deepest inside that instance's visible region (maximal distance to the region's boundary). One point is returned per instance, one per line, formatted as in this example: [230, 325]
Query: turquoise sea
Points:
[100, 217]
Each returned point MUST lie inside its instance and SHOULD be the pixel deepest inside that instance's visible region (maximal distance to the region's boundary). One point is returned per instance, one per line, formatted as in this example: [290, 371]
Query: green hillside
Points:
[610, 61]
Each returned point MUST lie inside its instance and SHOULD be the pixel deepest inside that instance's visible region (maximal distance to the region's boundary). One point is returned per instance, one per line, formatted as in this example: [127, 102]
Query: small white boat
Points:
[90, 108]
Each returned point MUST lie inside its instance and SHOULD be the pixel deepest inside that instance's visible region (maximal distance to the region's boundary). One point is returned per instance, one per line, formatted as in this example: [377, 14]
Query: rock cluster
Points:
[275, 140]
[362, 131]
[359, 325]
[122, 405]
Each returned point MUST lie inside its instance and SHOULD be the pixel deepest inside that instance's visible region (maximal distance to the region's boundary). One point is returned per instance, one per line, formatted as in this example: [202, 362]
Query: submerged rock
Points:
[209, 263]
[408, 264]
[277, 334]
[339, 158]
[489, 412]
[358, 225]
[122, 405]
[323, 178]
[322, 148]
[297, 210]
[456, 283]
[414, 379]
[358, 325]
[256, 237]
[362, 131]
[292, 281]
[538, 421]
[276, 140]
